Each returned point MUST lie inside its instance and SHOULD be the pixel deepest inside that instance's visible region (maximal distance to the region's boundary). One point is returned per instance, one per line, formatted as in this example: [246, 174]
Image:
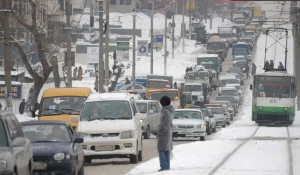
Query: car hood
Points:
[3, 152]
[49, 149]
[219, 115]
[105, 126]
[187, 121]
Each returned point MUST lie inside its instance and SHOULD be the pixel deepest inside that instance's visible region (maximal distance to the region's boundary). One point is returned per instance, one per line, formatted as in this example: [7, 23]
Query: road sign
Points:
[122, 50]
[142, 47]
[158, 41]
[190, 4]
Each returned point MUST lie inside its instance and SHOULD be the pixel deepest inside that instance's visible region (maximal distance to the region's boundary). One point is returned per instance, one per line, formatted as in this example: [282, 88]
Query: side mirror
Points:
[151, 111]
[19, 142]
[78, 140]
[74, 119]
[250, 87]
[139, 116]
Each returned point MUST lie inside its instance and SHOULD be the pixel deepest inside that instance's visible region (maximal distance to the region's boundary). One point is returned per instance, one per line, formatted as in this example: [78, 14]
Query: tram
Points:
[273, 99]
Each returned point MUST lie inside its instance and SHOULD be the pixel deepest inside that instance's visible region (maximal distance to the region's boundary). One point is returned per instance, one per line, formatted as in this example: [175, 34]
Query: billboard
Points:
[16, 91]
[123, 50]
[158, 41]
[93, 57]
[190, 4]
[142, 47]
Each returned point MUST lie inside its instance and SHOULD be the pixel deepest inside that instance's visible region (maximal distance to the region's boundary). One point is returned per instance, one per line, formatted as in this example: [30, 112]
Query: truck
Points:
[228, 34]
[173, 94]
[241, 49]
[257, 11]
[199, 92]
[198, 32]
[215, 45]
[211, 58]
[158, 82]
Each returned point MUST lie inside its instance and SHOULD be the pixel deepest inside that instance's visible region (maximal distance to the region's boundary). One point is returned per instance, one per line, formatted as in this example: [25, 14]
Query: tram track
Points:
[253, 137]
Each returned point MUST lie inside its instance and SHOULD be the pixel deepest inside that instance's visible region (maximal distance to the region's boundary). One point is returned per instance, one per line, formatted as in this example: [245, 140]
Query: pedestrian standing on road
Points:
[79, 77]
[164, 134]
[271, 64]
[127, 81]
[280, 67]
[247, 71]
[22, 107]
[115, 56]
[175, 85]
[267, 65]
[187, 70]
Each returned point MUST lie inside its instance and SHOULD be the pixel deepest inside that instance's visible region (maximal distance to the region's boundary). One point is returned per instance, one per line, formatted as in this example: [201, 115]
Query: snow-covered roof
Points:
[208, 56]
[109, 96]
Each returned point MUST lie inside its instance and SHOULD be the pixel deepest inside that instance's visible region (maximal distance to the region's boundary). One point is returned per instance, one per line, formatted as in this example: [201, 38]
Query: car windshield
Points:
[142, 107]
[3, 136]
[106, 110]
[62, 105]
[229, 92]
[227, 81]
[223, 102]
[188, 115]
[157, 84]
[236, 87]
[208, 66]
[216, 110]
[241, 63]
[129, 87]
[241, 51]
[240, 21]
[220, 98]
[214, 46]
[46, 133]
[159, 95]
[190, 88]
[249, 33]
[234, 69]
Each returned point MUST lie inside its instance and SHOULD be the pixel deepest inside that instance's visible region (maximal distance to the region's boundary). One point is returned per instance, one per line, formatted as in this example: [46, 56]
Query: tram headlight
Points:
[285, 109]
[260, 108]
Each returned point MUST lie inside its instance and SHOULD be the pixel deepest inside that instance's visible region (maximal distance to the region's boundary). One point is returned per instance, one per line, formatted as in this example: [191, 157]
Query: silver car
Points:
[138, 88]
[151, 109]
[189, 123]
[15, 149]
[219, 114]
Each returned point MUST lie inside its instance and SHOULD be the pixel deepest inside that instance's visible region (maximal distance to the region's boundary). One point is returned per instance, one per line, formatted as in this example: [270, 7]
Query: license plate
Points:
[39, 166]
[187, 133]
[104, 148]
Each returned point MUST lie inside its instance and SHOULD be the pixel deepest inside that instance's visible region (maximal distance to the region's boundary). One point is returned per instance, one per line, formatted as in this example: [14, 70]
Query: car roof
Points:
[108, 97]
[231, 85]
[208, 56]
[35, 122]
[145, 101]
[216, 102]
[194, 109]
[224, 96]
[239, 56]
[228, 88]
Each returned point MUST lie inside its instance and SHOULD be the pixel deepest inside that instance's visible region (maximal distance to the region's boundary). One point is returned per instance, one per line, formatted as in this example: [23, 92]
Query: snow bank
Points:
[193, 158]
[24, 118]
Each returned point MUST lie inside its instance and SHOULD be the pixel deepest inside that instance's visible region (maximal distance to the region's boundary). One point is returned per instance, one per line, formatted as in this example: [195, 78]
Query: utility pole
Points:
[296, 43]
[205, 15]
[133, 51]
[107, 45]
[7, 59]
[151, 59]
[211, 15]
[165, 55]
[69, 57]
[173, 26]
[100, 67]
[190, 20]
[183, 26]
[222, 12]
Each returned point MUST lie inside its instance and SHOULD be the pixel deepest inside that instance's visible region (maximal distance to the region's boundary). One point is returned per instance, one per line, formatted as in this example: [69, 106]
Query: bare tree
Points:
[39, 14]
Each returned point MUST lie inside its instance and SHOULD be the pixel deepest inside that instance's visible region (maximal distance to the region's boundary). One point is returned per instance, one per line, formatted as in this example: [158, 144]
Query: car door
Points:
[18, 152]
[150, 115]
[77, 148]
[212, 118]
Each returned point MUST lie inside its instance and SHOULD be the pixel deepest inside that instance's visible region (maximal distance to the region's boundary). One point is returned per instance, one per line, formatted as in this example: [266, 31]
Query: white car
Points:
[189, 123]
[111, 127]
[152, 111]
[238, 88]
[231, 91]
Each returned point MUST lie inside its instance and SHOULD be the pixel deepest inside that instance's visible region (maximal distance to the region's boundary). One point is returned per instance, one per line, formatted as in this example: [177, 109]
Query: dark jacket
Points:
[127, 82]
[271, 64]
[164, 132]
[115, 55]
[22, 107]
[267, 65]
[253, 69]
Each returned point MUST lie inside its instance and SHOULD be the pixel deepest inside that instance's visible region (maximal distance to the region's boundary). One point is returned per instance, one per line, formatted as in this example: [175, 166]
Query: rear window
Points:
[142, 107]
[3, 136]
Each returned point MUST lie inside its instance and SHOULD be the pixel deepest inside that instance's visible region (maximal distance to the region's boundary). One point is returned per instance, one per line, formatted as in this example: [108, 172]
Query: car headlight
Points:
[286, 109]
[201, 125]
[127, 134]
[142, 121]
[243, 68]
[260, 108]
[59, 156]
[82, 134]
[3, 164]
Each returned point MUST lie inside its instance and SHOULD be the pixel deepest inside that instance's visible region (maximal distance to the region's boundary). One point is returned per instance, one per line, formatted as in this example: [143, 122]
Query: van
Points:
[63, 103]
[111, 127]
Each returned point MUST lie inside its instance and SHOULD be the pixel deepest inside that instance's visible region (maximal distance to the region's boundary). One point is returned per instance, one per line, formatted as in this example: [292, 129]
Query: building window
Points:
[125, 2]
[20, 6]
[51, 30]
[113, 2]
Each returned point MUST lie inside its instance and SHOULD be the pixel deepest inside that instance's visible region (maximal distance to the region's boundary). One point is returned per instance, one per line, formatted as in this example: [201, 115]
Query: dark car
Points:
[241, 64]
[56, 147]
[15, 149]
[236, 70]
[229, 98]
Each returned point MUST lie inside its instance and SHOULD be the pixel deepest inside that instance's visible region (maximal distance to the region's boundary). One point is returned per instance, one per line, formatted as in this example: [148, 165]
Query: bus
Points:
[273, 99]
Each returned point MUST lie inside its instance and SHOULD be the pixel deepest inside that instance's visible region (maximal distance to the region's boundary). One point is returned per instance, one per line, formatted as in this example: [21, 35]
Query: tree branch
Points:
[23, 23]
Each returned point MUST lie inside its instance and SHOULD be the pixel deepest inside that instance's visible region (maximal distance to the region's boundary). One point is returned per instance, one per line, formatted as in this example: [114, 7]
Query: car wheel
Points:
[209, 131]
[147, 134]
[87, 160]
[202, 138]
[134, 157]
[224, 126]
[214, 129]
